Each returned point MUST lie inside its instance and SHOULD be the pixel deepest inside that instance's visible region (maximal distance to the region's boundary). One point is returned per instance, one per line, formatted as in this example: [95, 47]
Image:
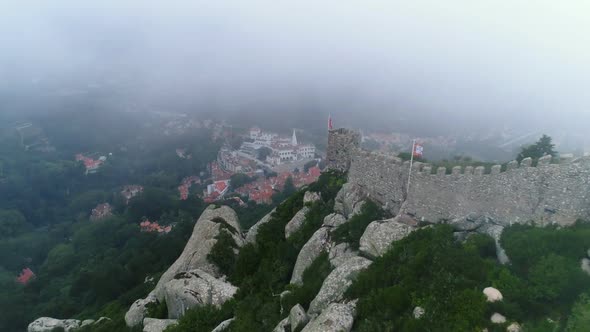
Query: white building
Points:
[284, 149]
[255, 132]
[261, 138]
[306, 151]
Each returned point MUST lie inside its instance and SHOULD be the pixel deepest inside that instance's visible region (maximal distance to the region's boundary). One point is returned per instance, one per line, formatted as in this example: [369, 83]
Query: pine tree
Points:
[541, 148]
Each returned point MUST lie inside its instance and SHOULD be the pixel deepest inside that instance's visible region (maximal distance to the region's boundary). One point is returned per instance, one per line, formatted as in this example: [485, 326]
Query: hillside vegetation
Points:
[544, 288]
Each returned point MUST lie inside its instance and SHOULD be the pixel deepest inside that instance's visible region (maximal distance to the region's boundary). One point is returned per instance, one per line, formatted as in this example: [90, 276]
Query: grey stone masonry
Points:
[544, 161]
[342, 141]
[547, 193]
[479, 170]
[496, 169]
[526, 162]
[512, 165]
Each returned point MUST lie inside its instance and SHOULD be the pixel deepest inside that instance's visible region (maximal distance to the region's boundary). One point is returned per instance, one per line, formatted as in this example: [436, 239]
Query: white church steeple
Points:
[294, 139]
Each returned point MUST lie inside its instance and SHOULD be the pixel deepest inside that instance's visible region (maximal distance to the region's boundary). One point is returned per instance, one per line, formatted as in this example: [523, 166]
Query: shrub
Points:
[313, 221]
[546, 275]
[222, 253]
[328, 184]
[157, 310]
[352, 231]
[580, 316]
[430, 269]
[225, 224]
[313, 278]
[483, 244]
[204, 318]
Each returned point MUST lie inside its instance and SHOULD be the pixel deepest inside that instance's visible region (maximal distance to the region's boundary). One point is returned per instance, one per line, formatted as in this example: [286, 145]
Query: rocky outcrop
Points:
[282, 326]
[157, 325]
[349, 200]
[48, 324]
[379, 235]
[498, 318]
[514, 327]
[308, 253]
[338, 254]
[310, 197]
[495, 231]
[492, 294]
[138, 310]
[585, 265]
[253, 231]
[194, 255]
[296, 222]
[337, 317]
[334, 220]
[195, 288]
[483, 225]
[223, 325]
[336, 283]
[469, 223]
[102, 320]
[297, 317]
[418, 312]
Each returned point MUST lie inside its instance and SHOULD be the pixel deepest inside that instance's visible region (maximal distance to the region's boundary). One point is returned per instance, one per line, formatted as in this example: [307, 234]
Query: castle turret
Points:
[341, 145]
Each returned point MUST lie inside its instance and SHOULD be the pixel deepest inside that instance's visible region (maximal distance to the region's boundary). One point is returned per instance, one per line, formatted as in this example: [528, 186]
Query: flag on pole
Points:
[330, 126]
[418, 150]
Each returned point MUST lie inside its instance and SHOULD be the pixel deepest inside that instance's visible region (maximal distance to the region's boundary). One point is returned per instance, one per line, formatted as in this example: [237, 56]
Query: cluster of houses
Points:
[186, 185]
[247, 160]
[217, 172]
[154, 227]
[262, 189]
[101, 211]
[91, 164]
[236, 161]
[130, 191]
[105, 210]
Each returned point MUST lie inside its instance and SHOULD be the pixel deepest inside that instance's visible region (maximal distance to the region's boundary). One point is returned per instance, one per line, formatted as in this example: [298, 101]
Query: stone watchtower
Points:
[341, 145]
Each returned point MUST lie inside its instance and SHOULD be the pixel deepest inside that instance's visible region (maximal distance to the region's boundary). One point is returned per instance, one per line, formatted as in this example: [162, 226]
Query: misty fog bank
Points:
[423, 66]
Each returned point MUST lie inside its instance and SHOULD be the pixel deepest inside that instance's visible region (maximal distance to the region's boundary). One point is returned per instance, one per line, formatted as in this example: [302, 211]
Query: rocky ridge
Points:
[192, 280]
[48, 324]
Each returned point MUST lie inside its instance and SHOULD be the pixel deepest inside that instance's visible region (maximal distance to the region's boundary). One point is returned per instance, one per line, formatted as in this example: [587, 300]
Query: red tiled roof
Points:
[220, 186]
[315, 171]
[89, 163]
[148, 226]
[25, 276]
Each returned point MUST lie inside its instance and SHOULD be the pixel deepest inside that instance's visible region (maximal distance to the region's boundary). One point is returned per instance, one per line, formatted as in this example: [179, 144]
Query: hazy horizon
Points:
[450, 66]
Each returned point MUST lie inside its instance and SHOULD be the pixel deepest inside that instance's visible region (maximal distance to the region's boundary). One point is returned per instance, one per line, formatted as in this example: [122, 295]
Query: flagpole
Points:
[410, 171]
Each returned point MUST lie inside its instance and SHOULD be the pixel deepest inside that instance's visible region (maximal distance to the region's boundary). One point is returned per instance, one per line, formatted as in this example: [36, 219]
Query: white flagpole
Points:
[410, 171]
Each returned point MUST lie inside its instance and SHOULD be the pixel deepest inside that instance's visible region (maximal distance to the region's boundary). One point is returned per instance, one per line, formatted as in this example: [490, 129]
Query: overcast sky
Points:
[481, 62]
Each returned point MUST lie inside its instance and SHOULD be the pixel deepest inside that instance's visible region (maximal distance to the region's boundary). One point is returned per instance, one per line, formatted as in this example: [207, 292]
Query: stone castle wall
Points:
[341, 144]
[548, 193]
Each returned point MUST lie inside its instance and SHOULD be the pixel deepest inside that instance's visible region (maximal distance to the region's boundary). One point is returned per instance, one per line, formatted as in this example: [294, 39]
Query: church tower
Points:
[294, 139]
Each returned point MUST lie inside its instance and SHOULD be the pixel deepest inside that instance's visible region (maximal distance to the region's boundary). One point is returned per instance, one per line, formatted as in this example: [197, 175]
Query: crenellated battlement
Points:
[510, 193]
[427, 169]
